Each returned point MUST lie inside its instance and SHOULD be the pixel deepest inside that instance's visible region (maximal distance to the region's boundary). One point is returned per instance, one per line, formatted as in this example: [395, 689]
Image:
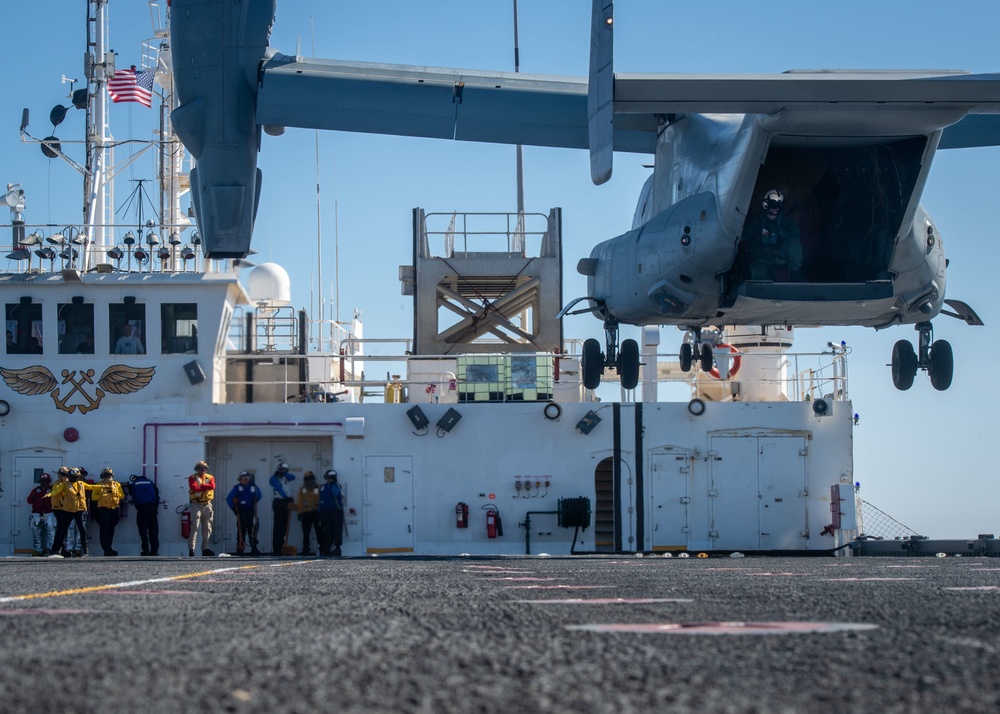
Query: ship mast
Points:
[99, 193]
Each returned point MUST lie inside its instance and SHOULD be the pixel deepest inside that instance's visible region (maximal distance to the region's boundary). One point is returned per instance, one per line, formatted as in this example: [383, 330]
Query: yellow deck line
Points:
[114, 586]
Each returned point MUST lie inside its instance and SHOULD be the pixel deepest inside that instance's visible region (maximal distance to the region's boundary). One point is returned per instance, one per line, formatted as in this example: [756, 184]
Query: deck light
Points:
[129, 238]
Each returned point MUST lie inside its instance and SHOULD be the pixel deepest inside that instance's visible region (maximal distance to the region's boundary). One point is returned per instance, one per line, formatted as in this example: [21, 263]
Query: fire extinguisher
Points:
[462, 515]
[185, 512]
[494, 526]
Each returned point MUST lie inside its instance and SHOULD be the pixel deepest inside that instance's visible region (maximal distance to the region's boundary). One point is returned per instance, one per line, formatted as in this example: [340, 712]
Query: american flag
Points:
[131, 85]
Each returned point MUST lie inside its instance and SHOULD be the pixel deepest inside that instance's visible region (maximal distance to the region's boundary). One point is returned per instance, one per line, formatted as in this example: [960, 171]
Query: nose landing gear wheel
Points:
[904, 365]
[628, 368]
[592, 364]
[942, 365]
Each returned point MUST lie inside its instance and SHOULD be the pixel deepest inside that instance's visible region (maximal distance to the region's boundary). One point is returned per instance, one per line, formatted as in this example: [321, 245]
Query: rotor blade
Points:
[601, 91]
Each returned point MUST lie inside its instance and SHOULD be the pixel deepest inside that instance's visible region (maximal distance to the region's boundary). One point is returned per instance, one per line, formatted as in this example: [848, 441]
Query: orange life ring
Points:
[733, 368]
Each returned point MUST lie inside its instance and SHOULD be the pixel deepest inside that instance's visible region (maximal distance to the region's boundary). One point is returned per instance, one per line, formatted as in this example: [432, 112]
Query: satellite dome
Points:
[269, 283]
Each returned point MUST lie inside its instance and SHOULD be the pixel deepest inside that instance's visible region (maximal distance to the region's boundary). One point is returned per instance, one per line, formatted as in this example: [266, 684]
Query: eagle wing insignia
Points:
[30, 381]
[122, 379]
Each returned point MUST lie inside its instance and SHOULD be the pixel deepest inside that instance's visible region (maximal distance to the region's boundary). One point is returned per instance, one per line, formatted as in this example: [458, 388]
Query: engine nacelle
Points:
[665, 271]
[216, 83]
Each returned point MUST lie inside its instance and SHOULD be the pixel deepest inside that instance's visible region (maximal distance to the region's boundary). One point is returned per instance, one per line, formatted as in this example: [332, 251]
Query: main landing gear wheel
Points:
[592, 364]
[933, 356]
[707, 358]
[686, 357]
[942, 365]
[904, 365]
[628, 368]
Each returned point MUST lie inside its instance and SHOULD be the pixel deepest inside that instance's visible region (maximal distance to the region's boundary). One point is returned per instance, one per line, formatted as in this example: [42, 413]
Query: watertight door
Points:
[669, 472]
[733, 493]
[782, 470]
[389, 504]
[27, 470]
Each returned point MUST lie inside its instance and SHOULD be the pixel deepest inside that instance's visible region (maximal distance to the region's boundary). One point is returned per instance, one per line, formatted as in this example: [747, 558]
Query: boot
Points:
[336, 552]
[206, 552]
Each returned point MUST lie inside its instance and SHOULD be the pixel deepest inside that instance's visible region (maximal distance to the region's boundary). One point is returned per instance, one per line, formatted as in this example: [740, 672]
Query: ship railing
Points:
[52, 247]
[462, 234]
[386, 369]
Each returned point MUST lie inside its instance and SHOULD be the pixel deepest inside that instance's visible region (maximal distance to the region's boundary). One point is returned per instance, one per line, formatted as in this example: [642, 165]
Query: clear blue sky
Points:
[922, 456]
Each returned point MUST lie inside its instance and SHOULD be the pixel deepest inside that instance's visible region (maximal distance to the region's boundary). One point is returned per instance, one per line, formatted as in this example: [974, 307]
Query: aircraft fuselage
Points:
[870, 254]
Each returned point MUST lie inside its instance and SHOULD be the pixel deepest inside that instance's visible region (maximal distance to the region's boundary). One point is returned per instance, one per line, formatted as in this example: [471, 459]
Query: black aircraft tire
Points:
[629, 365]
[904, 365]
[685, 357]
[707, 358]
[592, 364]
[942, 365]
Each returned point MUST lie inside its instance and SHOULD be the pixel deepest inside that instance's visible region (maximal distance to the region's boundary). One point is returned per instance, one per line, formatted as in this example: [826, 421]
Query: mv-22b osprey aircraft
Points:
[790, 199]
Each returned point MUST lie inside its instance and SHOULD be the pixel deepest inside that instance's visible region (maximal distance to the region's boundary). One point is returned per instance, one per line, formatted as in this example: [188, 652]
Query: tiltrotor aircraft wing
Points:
[231, 85]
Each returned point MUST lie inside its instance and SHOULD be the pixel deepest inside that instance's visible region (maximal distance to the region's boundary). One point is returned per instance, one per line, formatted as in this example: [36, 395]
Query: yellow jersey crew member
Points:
[108, 495]
[69, 501]
[201, 491]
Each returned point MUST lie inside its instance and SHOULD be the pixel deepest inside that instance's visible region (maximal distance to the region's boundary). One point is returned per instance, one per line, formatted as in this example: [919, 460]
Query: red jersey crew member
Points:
[201, 491]
[43, 523]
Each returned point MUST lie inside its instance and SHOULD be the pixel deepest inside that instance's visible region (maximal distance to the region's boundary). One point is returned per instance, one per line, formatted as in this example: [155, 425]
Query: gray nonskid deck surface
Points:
[454, 635]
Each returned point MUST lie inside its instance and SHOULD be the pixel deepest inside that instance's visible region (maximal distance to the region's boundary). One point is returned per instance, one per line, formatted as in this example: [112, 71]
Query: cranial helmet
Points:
[63, 471]
[282, 466]
[330, 474]
[45, 477]
[773, 195]
[200, 464]
[107, 472]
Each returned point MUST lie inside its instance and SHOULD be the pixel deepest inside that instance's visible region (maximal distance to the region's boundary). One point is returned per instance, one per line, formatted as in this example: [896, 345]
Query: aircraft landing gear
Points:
[706, 360]
[624, 360]
[933, 356]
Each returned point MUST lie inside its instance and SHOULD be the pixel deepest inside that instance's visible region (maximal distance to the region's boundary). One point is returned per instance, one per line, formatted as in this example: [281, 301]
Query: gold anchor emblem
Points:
[86, 376]
[117, 379]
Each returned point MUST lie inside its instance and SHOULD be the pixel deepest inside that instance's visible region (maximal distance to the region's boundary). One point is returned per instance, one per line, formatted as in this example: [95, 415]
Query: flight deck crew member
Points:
[108, 495]
[69, 503]
[280, 506]
[331, 515]
[770, 247]
[146, 499]
[308, 502]
[243, 500]
[201, 491]
[43, 523]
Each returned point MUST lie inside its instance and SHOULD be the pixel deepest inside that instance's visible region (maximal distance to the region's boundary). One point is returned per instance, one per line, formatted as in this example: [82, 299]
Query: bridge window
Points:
[76, 327]
[127, 328]
[179, 322]
[24, 327]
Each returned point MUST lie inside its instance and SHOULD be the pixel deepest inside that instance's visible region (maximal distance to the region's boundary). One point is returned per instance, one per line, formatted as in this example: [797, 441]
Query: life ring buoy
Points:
[734, 367]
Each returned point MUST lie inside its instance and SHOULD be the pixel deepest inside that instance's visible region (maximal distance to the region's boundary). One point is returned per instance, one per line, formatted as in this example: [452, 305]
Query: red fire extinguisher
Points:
[185, 512]
[462, 515]
[494, 526]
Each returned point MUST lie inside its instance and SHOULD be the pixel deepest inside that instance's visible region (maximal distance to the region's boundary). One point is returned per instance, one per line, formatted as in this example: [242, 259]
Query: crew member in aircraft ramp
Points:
[770, 246]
